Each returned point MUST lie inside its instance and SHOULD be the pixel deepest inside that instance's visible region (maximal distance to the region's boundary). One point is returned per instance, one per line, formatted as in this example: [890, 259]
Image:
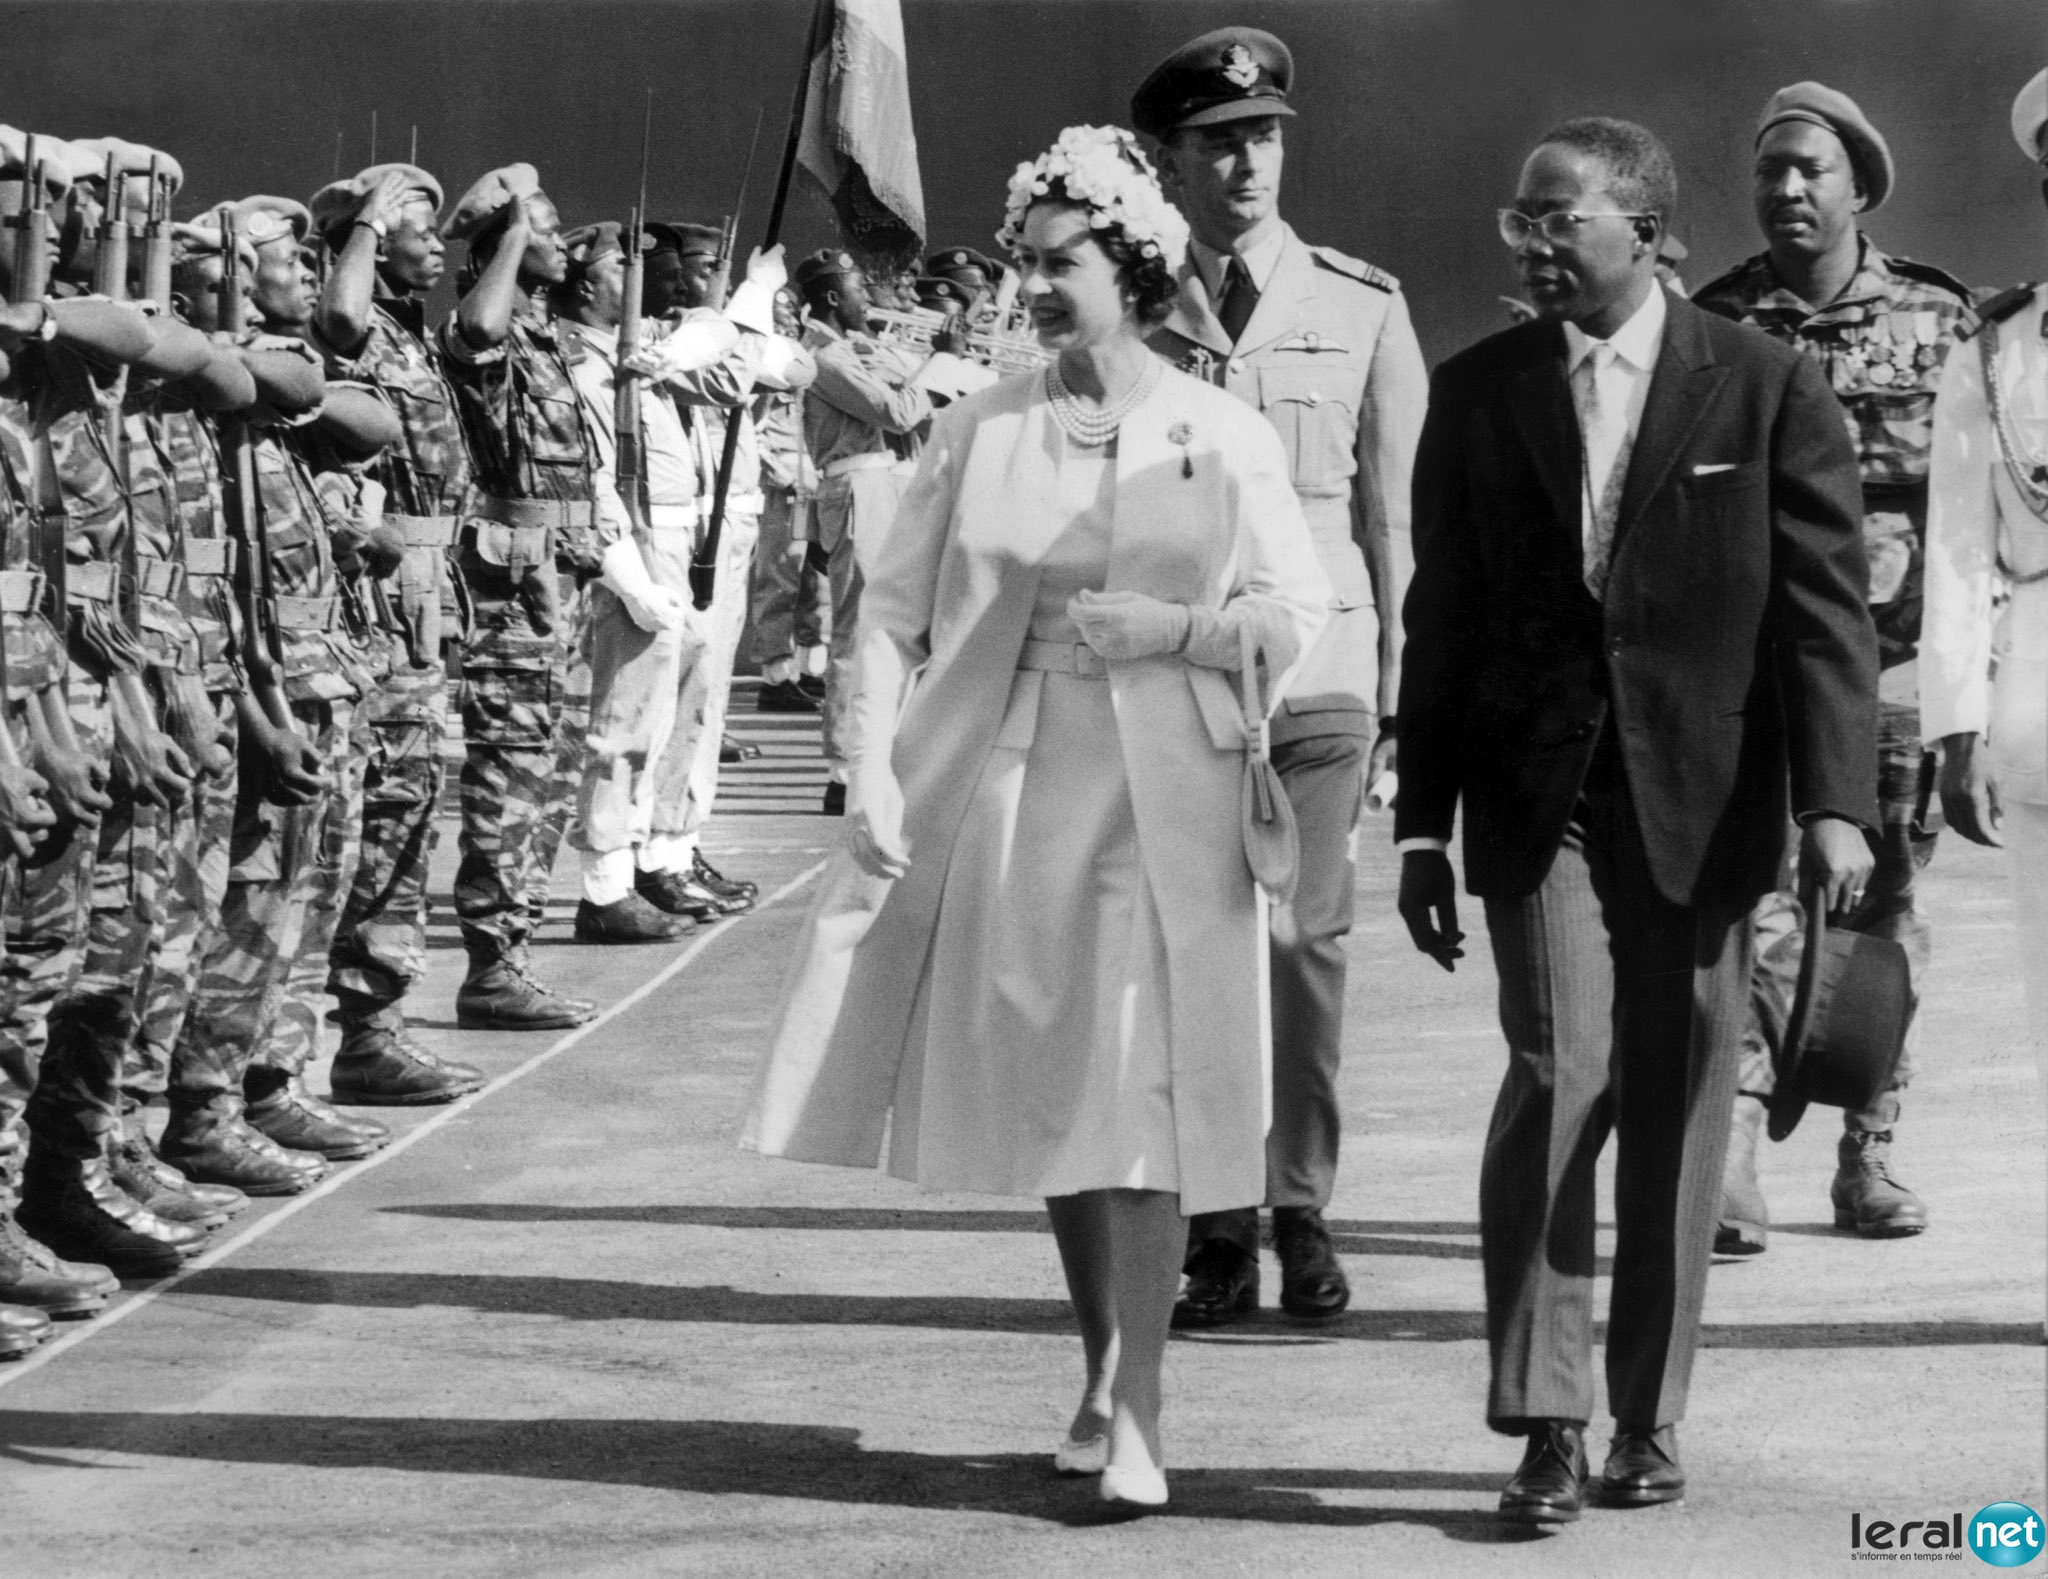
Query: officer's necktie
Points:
[1240, 296]
[1603, 427]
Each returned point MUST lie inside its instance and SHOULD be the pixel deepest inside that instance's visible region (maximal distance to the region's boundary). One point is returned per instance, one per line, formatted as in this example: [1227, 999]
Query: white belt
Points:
[744, 503]
[672, 517]
[1063, 657]
[847, 465]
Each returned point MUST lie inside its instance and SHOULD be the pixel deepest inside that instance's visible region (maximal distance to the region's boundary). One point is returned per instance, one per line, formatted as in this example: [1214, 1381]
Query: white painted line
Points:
[80, 1331]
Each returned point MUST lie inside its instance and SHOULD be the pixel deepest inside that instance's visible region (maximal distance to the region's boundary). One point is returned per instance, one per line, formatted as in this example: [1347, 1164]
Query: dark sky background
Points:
[1414, 113]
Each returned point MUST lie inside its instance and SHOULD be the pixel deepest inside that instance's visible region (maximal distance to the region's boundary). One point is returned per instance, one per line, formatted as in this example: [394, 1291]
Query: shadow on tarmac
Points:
[730, 1457]
[595, 1299]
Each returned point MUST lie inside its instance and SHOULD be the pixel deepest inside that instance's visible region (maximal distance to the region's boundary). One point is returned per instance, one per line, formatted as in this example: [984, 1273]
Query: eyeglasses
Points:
[1556, 228]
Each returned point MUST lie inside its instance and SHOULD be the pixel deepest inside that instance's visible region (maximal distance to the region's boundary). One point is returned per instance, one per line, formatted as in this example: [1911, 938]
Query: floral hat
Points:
[1103, 169]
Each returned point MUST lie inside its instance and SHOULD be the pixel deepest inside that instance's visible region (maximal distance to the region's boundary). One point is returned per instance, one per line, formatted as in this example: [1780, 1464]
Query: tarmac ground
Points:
[565, 1327]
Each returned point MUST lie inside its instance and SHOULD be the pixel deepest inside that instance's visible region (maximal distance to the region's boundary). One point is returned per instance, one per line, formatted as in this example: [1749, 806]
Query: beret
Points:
[824, 264]
[588, 244]
[942, 291]
[477, 207]
[263, 220]
[131, 160]
[1823, 106]
[62, 163]
[190, 240]
[686, 239]
[955, 261]
[338, 202]
[2030, 117]
[1232, 74]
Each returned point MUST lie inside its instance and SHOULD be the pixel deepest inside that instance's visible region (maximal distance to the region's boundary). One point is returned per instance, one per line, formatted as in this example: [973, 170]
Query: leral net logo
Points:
[2007, 1534]
[2003, 1534]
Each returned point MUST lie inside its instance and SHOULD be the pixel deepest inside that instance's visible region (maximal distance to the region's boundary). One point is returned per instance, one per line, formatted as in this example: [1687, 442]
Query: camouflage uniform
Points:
[525, 548]
[380, 945]
[75, 1112]
[35, 662]
[1881, 343]
[274, 850]
[193, 868]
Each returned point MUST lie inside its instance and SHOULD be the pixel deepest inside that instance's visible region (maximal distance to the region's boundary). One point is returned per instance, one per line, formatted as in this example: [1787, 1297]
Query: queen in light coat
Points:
[1201, 534]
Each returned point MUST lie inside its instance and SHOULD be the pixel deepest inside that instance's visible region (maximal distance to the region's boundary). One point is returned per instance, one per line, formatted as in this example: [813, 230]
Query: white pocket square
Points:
[1709, 470]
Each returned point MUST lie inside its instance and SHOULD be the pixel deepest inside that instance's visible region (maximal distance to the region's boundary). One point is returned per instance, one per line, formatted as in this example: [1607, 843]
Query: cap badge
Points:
[1239, 68]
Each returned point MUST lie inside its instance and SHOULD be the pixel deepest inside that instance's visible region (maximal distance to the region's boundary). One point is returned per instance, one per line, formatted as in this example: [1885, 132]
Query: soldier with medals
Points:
[1880, 327]
[1321, 344]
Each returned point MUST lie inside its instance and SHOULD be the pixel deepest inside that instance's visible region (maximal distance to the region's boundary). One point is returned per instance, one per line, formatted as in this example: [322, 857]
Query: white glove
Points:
[874, 821]
[752, 305]
[1121, 626]
[652, 607]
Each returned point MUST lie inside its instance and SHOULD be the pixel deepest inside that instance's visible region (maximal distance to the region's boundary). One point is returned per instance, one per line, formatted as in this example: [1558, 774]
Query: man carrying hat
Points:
[1880, 328]
[863, 397]
[381, 227]
[526, 546]
[1987, 521]
[1321, 344]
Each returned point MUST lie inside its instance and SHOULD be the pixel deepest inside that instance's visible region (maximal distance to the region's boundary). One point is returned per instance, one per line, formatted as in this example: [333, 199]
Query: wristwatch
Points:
[383, 230]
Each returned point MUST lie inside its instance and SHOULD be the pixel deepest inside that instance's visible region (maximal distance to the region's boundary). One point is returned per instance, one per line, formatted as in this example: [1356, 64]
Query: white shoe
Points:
[1134, 1485]
[1084, 1456]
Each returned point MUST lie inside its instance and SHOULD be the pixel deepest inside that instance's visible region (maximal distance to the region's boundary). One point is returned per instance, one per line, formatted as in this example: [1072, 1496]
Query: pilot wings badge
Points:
[1239, 68]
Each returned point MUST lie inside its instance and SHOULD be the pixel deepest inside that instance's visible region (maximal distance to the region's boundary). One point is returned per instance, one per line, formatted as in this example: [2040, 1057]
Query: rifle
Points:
[704, 563]
[32, 231]
[262, 646]
[629, 465]
[110, 279]
[156, 239]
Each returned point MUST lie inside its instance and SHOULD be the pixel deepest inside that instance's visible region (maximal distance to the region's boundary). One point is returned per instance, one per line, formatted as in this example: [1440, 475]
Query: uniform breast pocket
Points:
[556, 437]
[1314, 405]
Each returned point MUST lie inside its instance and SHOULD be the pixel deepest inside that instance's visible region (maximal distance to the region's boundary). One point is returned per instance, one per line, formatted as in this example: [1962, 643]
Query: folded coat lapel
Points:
[1681, 390]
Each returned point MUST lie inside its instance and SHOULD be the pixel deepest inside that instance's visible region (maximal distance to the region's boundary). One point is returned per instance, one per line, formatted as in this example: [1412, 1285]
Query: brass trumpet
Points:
[1010, 348]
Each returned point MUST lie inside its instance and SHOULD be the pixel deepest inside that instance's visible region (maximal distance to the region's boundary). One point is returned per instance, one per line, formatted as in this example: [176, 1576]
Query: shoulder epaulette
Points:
[2001, 307]
[1928, 274]
[1728, 279]
[1355, 269]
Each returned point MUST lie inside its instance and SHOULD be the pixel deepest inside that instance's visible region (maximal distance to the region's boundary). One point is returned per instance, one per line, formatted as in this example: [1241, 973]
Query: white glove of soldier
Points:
[752, 305]
[1121, 626]
[874, 819]
[651, 606]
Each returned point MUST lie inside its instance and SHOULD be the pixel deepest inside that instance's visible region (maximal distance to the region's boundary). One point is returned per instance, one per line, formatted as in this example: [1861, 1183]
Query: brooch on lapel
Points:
[1183, 434]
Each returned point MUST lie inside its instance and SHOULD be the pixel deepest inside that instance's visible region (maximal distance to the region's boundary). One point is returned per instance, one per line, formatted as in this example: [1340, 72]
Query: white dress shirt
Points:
[1260, 261]
[1621, 386]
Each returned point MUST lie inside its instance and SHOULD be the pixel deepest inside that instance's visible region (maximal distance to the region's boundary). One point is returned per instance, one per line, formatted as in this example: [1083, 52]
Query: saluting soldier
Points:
[862, 399]
[528, 536]
[382, 227]
[792, 603]
[1880, 327]
[1321, 343]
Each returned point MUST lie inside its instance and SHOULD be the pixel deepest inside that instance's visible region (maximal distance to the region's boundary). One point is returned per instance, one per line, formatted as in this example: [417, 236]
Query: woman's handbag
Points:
[1272, 849]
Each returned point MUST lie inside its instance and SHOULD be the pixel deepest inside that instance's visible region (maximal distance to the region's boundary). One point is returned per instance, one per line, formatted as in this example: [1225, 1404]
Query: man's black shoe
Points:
[1550, 1487]
[715, 880]
[1223, 1286]
[784, 696]
[629, 920]
[812, 685]
[1642, 1467]
[1312, 1283]
[731, 750]
[680, 894]
[835, 800]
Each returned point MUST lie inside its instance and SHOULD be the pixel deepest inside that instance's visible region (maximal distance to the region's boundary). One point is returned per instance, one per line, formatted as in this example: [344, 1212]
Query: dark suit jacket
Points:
[1733, 655]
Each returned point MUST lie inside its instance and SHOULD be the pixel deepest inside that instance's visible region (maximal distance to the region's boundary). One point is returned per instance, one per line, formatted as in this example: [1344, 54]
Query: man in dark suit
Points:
[1637, 618]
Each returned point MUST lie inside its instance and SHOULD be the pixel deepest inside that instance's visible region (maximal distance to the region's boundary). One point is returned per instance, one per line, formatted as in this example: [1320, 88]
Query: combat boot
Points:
[1867, 1198]
[129, 1168]
[1745, 1219]
[137, 1157]
[73, 1206]
[379, 1066]
[31, 1274]
[280, 1106]
[21, 1329]
[214, 1144]
[501, 995]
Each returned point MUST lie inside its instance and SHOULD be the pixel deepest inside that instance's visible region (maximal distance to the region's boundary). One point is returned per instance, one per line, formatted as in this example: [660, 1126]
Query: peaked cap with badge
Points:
[1232, 74]
[960, 263]
[826, 263]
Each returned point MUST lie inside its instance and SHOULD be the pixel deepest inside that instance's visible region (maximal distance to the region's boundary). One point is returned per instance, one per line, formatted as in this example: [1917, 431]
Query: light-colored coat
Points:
[1203, 515]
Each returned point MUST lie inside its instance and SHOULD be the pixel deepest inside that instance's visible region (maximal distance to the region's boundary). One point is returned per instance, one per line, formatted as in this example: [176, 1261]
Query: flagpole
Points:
[704, 566]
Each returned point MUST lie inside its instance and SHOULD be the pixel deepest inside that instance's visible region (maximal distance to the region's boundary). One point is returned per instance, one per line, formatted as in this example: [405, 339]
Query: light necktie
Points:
[1603, 430]
[1239, 298]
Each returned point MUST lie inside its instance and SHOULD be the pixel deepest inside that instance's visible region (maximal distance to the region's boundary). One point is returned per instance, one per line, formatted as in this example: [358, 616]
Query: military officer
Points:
[526, 543]
[1880, 328]
[863, 398]
[1322, 344]
[382, 227]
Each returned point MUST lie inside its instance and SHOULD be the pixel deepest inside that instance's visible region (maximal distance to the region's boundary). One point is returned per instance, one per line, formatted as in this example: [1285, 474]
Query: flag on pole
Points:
[857, 140]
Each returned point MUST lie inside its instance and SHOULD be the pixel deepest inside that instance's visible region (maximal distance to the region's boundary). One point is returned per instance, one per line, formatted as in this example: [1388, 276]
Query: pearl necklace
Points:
[1091, 427]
